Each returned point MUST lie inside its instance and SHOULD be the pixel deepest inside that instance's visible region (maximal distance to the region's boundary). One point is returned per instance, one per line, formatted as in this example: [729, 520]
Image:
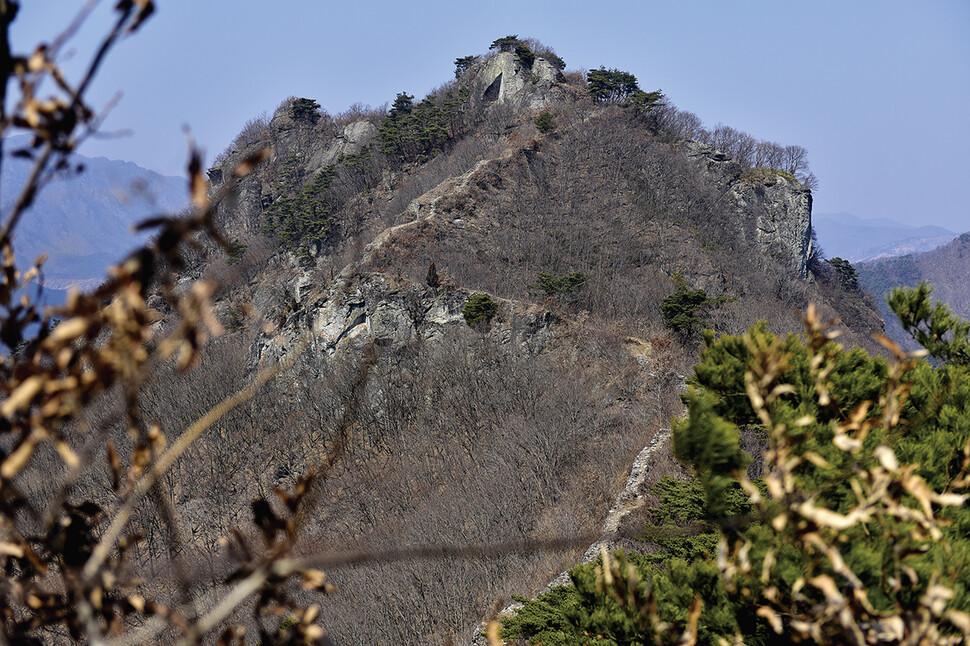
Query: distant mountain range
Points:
[84, 221]
[858, 239]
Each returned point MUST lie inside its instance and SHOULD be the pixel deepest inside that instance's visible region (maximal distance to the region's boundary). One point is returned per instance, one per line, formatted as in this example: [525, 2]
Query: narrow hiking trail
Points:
[629, 499]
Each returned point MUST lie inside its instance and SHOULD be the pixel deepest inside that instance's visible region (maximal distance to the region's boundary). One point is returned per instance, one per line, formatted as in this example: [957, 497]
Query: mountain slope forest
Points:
[945, 267]
[508, 173]
[465, 315]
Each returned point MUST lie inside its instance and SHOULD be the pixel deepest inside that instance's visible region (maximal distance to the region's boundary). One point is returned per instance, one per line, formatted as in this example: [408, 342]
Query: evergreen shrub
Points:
[479, 310]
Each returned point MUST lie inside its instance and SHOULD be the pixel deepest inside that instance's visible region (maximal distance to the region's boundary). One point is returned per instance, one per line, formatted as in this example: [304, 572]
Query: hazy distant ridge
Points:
[859, 239]
[84, 221]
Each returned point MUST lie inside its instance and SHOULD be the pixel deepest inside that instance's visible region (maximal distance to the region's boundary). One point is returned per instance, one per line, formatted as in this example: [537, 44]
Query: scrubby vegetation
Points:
[532, 220]
[857, 525]
[305, 217]
[496, 438]
[764, 175]
[479, 310]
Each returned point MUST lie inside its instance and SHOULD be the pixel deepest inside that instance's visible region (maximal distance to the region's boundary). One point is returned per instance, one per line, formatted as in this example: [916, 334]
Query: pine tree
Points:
[525, 54]
[479, 310]
[858, 532]
[304, 217]
[403, 104]
[933, 325]
[550, 285]
[681, 310]
[847, 274]
[611, 86]
[545, 122]
[431, 279]
[305, 110]
[418, 132]
[462, 64]
[505, 44]
[642, 101]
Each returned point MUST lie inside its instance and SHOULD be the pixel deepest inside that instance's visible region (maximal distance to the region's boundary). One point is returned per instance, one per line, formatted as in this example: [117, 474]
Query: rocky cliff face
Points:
[774, 211]
[782, 212]
[506, 210]
[504, 79]
[358, 308]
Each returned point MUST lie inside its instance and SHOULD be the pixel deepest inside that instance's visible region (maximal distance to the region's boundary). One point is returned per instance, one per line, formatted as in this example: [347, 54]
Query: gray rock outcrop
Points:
[503, 78]
[781, 210]
[773, 210]
[392, 312]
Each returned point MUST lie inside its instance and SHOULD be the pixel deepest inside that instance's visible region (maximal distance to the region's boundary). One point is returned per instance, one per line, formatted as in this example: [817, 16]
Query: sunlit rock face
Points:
[504, 79]
[771, 209]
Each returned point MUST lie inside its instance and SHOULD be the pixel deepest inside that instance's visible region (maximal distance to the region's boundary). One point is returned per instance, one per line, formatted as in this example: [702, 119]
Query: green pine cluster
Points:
[361, 161]
[733, 562]
[943, 334]
[610, 85]
[545, 122]
[418, 132]
[525, 55]
[552, 285]
[479, 310]
[305, 110]
[848, 276]
[682, 310]
[463, 63]
[616, 86]
[305, 216]
[686, 534]
[505, 43]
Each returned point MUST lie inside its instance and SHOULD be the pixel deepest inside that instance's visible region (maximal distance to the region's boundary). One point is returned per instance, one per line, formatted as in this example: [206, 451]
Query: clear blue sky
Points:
[878, 91]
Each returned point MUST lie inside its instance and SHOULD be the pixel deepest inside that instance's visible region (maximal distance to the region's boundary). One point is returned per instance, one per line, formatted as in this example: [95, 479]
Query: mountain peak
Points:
[505, 78]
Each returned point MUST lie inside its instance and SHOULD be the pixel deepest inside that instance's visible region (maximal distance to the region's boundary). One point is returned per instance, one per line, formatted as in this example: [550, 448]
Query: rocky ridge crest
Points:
[775, 212]
[499, 204]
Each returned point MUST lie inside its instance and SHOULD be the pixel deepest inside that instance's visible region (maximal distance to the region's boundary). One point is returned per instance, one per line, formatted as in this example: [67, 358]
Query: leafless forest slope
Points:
[521, 428]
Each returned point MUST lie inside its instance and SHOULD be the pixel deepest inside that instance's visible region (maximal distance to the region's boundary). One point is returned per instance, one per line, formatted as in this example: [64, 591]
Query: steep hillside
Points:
[358, 251]
[497, 201]
[946, 268]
